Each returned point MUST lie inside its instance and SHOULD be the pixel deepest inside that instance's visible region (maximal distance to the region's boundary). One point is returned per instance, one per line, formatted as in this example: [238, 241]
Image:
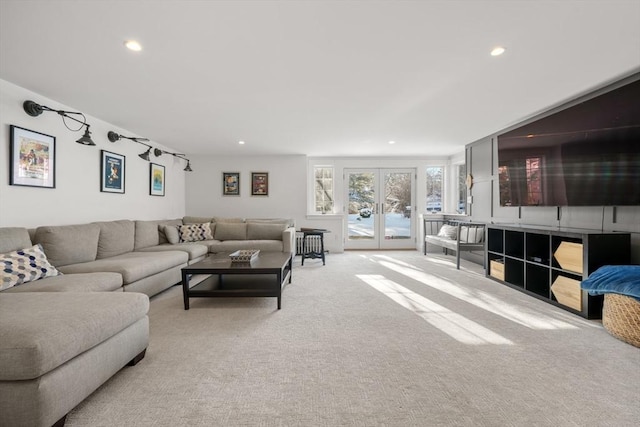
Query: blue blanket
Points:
[617, 279]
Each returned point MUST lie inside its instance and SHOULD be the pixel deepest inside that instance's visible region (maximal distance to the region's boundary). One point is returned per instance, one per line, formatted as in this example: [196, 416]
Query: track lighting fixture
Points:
[145, 155]
[34, 110]
[113, 137]
[158, 152]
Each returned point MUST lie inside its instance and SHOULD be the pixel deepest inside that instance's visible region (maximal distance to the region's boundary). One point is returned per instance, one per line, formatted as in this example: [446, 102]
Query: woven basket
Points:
[621, 317]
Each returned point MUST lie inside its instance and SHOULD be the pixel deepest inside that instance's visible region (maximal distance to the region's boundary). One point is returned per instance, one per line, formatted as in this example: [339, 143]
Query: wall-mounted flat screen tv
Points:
[585, 155]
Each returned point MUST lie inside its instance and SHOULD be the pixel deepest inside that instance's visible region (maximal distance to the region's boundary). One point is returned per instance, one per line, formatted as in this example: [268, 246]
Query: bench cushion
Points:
[59, 327]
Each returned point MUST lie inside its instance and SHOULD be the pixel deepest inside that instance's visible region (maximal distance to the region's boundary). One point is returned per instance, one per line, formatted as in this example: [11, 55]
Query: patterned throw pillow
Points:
[195, 232]
[25, 265]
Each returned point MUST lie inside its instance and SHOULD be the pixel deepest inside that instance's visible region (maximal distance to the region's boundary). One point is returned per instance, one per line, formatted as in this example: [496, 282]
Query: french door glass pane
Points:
[361, 222]
[397, 205]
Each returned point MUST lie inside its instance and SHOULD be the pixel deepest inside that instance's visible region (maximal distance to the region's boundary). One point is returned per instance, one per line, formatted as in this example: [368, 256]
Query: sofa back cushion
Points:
[14, 238]
[69, 244]
[264, 231]
[196, 219]
[230, 231]
[150, 233]
[116, 238]
[289, 222]
[226, 219]
[146, 234]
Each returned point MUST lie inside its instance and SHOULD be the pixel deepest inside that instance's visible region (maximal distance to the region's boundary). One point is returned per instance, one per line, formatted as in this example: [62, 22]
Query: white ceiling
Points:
[322, 78]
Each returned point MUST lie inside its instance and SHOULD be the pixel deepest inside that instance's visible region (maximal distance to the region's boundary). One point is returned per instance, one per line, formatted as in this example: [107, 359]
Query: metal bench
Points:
[469, 236]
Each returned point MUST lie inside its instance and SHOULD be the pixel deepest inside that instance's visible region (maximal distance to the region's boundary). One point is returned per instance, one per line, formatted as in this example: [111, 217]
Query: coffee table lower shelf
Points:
[233, 281]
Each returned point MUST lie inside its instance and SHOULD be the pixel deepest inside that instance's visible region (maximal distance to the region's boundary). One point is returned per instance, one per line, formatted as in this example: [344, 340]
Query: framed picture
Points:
[259, 183]
[156, 180]
[230, 183]
[112, 170]
[32, 158]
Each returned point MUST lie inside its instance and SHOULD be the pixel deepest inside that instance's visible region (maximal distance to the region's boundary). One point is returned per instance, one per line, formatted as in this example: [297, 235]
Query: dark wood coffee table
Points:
[265, 276]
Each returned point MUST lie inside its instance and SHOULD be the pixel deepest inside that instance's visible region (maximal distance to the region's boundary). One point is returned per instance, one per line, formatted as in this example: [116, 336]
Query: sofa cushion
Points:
[194, 232]
[216, 246]
[230, 231]
[132, 266]
[83, 282]
[24, 265]
[264, 231]
[59, 327]
[194, 250]
[171, 233]
[289, 222]
[69, 244]
[14, 238]
[226, 219]
[116, 237]
[196, 219]
[148, 233]
[169, 222]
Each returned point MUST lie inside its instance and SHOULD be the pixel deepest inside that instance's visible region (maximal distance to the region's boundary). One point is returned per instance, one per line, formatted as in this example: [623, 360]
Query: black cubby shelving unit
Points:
[549, 263]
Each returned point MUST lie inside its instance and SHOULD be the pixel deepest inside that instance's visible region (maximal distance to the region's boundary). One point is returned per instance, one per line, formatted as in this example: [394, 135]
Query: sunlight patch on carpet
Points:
[484, 300]
[451, 323]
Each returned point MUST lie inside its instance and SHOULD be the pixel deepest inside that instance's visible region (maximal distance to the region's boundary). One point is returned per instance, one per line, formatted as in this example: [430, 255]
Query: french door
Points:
[379, 208]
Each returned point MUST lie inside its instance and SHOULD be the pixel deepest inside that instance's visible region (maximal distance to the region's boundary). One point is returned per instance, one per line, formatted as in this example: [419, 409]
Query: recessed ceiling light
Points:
[241, 142]
[497, 51]
[392, 142]
[133, 45]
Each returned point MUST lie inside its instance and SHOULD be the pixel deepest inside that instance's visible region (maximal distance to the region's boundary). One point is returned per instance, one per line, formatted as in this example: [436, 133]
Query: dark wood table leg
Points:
[185, 289]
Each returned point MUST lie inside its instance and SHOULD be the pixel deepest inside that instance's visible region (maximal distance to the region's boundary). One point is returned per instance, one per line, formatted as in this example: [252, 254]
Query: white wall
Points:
[287, 187]
[77, 197]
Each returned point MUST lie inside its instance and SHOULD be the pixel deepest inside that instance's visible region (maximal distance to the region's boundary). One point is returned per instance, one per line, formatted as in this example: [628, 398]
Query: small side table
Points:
[310, 253]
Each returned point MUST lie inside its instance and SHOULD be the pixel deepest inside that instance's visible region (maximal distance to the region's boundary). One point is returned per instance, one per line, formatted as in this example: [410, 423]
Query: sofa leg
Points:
[138, 358]
[60, 422]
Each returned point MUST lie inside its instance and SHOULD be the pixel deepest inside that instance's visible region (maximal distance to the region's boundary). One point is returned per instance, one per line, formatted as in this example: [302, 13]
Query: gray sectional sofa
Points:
[62, 336]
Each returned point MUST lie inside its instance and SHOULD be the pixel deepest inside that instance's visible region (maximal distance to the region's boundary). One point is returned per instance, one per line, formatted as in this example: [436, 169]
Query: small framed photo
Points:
[156, 180]
[112, 168]
[230, 183]
[32, 158]
[259, 183]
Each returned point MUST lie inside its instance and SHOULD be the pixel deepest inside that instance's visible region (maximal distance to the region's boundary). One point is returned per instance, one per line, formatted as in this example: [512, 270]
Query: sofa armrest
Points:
[289, 240]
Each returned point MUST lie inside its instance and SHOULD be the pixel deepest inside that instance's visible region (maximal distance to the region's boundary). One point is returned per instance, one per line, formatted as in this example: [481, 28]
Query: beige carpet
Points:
[373, 339]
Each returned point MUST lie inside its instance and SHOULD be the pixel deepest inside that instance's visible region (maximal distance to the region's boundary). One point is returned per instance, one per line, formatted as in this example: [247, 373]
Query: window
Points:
[435, 176]
[461, 200]
[323, 194]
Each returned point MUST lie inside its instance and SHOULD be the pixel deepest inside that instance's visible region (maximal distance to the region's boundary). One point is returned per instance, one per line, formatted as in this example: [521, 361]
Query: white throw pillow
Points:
[448, 231]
